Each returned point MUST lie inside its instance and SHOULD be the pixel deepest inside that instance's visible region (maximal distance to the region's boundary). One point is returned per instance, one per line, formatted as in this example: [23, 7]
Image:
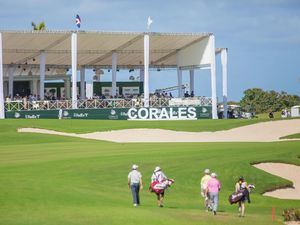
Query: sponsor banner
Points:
[161, 113]
[32, 114]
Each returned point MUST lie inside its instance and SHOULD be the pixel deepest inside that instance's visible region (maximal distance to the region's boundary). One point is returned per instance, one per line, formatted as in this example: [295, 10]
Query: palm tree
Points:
[40, 26]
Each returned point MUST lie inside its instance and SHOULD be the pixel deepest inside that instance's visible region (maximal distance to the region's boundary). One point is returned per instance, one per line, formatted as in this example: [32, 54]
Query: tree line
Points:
[260, 101]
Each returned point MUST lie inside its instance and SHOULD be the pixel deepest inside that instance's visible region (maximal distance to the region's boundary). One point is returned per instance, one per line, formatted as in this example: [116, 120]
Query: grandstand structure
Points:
[50, 53]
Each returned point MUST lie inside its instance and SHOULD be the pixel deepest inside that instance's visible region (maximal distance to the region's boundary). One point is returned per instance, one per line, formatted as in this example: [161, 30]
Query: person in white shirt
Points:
[159, 176]
[203, 186]
[135, 184]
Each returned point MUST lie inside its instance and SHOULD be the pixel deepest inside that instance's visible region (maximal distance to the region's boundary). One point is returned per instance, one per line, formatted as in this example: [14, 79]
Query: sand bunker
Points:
[286, 171]
[259, 132]
[292, 223]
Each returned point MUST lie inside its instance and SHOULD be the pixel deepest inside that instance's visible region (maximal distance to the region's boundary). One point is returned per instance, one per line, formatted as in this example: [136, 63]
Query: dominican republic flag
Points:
[78, 21]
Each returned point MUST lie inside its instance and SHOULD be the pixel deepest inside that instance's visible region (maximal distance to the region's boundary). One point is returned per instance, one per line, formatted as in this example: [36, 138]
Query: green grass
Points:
[62, 180]
[277, 115]
[293, 136]
[83, 126]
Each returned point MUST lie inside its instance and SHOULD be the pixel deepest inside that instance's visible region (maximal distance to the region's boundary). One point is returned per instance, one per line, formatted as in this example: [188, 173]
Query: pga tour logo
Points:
[182, 113]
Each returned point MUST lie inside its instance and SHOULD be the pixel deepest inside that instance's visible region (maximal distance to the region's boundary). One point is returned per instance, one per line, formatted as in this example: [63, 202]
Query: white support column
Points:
[42, 74]
[224, 78]
[179, 82]
[82, 83]
[11, 82]
[192, 81]
[114, 74]
[213, 78]
[74, 70]
[146, 70]
[2, 114]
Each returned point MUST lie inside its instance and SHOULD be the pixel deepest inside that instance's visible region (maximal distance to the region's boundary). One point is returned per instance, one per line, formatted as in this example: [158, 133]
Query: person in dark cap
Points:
[242, 186]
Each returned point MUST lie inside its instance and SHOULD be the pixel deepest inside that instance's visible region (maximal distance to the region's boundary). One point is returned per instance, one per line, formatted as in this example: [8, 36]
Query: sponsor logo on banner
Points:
[33, 116]
[180, 113]
[204, 113]
[113, 115]
[17, 115]
[80, 115]
[66, 113]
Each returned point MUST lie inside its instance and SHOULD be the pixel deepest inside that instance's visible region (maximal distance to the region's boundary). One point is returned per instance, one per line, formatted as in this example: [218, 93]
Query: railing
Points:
[104, 103]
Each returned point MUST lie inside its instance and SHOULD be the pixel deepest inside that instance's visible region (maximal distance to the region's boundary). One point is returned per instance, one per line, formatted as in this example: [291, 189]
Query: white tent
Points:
[80, 50]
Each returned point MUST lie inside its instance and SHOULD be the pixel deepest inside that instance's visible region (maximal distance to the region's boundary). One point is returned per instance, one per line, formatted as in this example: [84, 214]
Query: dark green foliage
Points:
[260, 101]
[40, 26]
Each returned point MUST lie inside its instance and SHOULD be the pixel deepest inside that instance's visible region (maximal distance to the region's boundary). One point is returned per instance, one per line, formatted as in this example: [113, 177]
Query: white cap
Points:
[157, 169]
[213, 175]
[134, 167]
[206, 171]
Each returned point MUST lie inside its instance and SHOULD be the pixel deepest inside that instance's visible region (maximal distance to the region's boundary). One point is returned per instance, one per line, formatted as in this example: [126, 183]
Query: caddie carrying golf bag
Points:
[160, 187]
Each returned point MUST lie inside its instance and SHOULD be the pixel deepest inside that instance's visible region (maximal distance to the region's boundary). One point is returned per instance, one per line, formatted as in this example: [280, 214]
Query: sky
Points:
[262, 36]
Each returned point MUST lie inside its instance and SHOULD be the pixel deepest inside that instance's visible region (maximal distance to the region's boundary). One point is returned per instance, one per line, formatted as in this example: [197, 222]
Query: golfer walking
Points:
[213, 188]
[203, 186]
[135, 183]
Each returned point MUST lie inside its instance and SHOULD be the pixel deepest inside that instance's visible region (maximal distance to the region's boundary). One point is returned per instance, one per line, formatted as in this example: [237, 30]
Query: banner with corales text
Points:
[159, 113]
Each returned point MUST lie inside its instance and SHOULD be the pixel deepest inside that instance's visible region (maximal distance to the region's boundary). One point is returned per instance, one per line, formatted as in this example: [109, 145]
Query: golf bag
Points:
[241, 195]
[236, 197]
[160, 187]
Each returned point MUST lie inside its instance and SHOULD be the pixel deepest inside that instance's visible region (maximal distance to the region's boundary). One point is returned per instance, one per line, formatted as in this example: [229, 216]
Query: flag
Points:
[78, 21]
[149, 22]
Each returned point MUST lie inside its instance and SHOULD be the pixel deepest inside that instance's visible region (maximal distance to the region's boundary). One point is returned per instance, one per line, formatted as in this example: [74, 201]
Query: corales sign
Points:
[176, 113]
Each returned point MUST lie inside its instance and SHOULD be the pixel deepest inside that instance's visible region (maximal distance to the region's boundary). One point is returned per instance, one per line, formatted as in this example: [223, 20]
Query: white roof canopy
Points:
[95, 48]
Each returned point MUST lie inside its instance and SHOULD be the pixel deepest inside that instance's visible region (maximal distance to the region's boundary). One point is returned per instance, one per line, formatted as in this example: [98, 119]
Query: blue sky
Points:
[263, 36]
